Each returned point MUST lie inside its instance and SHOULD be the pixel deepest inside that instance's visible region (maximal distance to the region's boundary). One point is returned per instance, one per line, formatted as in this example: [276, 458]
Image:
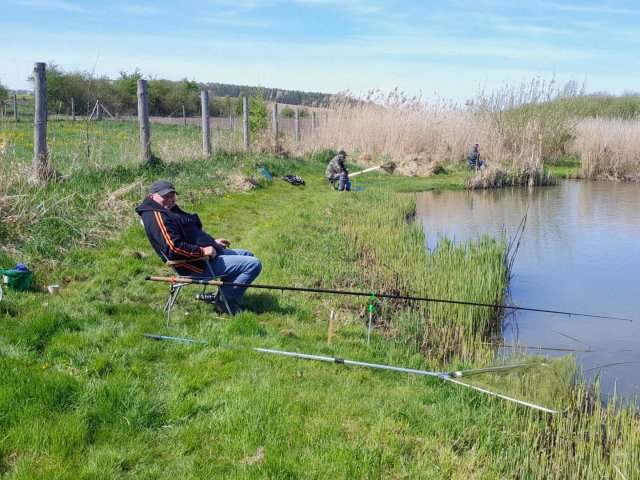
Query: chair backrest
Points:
[176, 263]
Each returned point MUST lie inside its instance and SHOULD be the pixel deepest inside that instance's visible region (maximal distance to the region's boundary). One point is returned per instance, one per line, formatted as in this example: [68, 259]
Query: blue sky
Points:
[448, 48]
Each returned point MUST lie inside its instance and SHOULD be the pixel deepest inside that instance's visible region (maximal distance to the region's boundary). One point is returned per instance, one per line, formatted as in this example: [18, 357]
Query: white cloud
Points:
[533, 29]
[141, 10]
[599, 9]
[49, 4]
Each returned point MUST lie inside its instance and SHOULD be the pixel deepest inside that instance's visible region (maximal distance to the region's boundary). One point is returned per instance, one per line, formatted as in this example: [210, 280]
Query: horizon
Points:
[448, 49]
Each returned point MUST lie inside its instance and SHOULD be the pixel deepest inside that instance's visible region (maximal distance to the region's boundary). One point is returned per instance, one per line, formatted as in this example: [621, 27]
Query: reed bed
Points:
[521, 130]
[416, 136]
[393, 257]
[423, 138]
[609, 148]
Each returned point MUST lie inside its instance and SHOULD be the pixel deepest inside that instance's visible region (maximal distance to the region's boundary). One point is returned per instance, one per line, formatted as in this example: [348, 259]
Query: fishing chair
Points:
[176, 286]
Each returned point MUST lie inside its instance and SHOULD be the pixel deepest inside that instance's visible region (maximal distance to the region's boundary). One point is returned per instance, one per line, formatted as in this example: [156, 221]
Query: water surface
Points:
[580, 252]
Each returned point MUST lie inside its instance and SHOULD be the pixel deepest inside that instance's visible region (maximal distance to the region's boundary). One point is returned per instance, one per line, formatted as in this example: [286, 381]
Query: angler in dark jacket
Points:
[474, 158]
[178, 235]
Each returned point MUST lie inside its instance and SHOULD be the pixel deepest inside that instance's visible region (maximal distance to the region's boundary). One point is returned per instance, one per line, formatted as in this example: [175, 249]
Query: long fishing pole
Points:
[453, 376]
[205, 281]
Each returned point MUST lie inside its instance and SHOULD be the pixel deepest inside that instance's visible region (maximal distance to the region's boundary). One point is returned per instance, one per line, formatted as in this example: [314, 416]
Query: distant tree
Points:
[158, 91]
[240, 105]
[126, 90]
[258, 114]
[4, 95]
[182, 93]
[227, 105]
[287, 112]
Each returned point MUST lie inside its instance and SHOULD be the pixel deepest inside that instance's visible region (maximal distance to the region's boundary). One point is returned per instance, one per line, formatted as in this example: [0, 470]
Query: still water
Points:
[580, 252]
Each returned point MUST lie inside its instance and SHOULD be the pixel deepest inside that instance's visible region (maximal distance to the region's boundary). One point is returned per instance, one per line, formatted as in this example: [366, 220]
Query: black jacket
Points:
[176, 235]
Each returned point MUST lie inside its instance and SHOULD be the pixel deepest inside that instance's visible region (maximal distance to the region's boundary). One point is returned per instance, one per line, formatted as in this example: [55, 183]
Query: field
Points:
[84, 395]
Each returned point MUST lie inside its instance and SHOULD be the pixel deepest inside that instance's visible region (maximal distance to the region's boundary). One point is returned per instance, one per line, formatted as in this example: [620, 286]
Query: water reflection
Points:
[580, 252]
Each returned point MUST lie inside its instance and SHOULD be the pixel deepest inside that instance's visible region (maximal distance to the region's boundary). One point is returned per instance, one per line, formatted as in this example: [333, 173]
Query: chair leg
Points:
[224, 299]
[174, 290]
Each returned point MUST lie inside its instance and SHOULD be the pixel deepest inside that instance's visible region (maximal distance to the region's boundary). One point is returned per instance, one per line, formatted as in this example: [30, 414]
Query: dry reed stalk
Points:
[609, 147]
[419, 136]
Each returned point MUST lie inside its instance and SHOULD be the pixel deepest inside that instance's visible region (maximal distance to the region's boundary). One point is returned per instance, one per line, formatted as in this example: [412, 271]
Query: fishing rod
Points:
[208, 281]
[452, 376]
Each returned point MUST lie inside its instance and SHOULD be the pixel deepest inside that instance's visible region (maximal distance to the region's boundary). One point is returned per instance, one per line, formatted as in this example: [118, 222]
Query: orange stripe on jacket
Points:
[192, 268]
[167, 238]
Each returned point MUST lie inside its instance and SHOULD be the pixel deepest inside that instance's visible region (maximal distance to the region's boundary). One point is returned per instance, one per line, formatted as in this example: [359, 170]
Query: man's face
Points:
[168, 200]
[342, 157]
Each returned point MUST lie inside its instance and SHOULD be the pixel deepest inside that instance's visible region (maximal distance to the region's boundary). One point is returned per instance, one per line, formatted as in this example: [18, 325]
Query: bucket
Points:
[19, 280]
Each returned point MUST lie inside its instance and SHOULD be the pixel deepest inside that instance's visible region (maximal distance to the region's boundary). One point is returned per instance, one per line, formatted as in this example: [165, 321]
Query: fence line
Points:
[41, 163]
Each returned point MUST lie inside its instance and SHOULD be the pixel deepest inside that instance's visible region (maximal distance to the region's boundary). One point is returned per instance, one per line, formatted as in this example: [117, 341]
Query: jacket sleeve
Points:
[166, 237]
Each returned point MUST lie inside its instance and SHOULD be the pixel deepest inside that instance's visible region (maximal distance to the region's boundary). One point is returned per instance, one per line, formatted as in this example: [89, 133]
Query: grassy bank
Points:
[83, 395]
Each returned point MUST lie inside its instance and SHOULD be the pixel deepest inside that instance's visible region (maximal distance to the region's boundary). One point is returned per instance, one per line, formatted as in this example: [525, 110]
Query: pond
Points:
[580, 252]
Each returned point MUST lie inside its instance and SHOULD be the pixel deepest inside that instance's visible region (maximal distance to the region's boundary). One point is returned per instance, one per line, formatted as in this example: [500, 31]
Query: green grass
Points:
[84, 395]
[568, 167]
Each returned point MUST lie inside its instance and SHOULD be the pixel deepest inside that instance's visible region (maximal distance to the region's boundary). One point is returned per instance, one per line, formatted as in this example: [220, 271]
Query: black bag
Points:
[293, 179]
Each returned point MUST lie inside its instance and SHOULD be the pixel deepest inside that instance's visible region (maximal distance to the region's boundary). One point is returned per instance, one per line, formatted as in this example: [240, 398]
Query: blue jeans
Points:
[474, 166]
[235, 266]
[343, 181]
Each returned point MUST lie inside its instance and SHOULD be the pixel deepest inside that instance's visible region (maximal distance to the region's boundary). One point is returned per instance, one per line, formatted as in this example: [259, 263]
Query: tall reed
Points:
[519, 128]
[608, 148]
[393, 257]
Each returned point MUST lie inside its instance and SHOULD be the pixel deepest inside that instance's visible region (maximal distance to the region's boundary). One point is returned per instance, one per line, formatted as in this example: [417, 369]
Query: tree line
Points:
[166, 97]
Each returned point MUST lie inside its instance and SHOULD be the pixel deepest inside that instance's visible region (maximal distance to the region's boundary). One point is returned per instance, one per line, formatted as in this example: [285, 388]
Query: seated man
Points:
[177, 235]
[337, 172]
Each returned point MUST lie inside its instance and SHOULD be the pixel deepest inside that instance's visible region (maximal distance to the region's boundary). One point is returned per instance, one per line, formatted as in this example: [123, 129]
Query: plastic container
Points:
[19, 280]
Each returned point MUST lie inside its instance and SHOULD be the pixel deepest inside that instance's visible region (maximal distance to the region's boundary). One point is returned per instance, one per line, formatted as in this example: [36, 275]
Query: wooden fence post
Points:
[313, 122]
[98, 110]
[184, 116]
[206, 136]
[143, 121]
[40, 161]
[274, 122]
[15, 108]
[73, 109]
[297, 125]
[245, 122]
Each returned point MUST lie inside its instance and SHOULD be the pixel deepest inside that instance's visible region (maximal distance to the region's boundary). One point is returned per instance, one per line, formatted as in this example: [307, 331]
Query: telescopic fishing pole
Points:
[208, 281]
[452, 376]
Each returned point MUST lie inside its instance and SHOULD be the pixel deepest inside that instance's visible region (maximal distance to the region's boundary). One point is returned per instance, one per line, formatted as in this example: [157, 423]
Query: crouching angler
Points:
[337, 172]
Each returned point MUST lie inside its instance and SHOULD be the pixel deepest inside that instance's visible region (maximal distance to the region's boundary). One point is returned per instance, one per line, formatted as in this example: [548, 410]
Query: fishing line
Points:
[205, 281]
[611, 364]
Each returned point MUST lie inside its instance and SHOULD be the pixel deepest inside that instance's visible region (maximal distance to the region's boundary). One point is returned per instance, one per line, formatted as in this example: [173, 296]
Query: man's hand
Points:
[223, 241]
[209, 251]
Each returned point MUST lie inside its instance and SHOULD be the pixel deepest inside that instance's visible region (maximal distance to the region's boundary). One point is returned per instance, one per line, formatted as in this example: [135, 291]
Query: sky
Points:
[448, 49]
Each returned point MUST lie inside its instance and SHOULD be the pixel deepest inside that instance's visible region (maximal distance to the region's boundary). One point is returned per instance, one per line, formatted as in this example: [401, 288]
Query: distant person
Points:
[474, 158]
[337, 172]
[178, 235]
